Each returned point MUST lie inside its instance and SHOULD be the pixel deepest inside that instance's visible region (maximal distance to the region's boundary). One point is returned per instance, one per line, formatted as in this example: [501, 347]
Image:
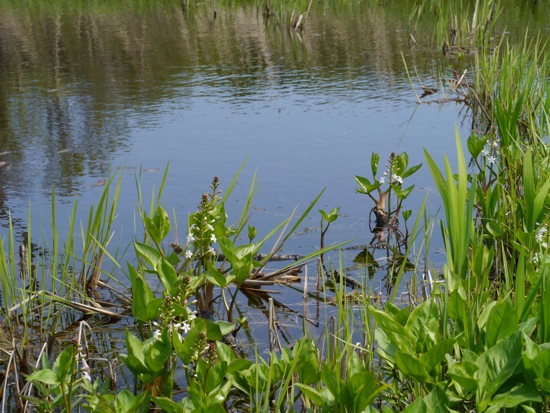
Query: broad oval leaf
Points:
[148, 253]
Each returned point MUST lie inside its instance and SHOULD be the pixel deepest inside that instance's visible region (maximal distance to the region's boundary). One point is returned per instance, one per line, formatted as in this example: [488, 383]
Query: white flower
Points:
[213, 238]
[185, 327]
[86, 376]
[382, 180]
[495, 143]
[188, 254]
[491, 159]
[544, 245]
[156, 334]
[397, 178]
[210, 227]
[540, 234]
[190, 238]
[211, 251]
[485, 152]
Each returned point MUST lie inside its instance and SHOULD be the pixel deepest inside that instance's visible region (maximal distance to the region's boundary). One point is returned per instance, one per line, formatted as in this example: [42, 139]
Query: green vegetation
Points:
[475, 338]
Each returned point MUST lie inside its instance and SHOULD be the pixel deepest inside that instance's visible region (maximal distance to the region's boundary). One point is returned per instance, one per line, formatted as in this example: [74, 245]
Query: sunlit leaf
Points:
[168, 276]
[311, 394]
[374, 159]
[135, 359]
[518, 395]
[45, 376]
[476, 144]
[437, 400]
[436, 354]
[502, 322]
[463, 373]
[148, 253]
[401, 162]
[158, 352]
[418, 406]
[496, 365]
[365, 185]
[411, 366]
[142, 295]
[411, 171]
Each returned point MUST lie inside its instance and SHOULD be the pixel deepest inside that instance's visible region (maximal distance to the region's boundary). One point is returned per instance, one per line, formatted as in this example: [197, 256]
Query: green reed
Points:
[459, 24]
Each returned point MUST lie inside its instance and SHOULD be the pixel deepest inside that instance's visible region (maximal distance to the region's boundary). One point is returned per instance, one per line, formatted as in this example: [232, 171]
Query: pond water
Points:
[88, 90]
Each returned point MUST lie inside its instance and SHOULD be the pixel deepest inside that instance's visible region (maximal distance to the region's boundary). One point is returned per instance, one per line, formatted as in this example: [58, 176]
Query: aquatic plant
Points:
[388, 202]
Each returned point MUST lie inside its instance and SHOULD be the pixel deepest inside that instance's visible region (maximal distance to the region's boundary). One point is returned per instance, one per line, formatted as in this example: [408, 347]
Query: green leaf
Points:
[402, 194]
[308, 365]
[518, 395]
[436, 354]
[153, 308]
[45, 376]
[168, 405]
[168, 276]
[142, 295]
[502, 322]
[159, 226]
[252, 232]
[148, 253]
[495, 366]
[364, 389]
[126, 402]
[311, 394]
[135, 359]
[333, 214]
[374, 159]
[476, 144]
[541, 364]
[365, 185]
[495, 229]
[189, 347]
[398, 335]
[463, 373]
[219, 279]
[423, 325]
[213, 331]
[158, 352]
[437, 401]
[418, 406]
[411, 171]
[333, 381]
[65, 364]
[411, 366]
[400, 165]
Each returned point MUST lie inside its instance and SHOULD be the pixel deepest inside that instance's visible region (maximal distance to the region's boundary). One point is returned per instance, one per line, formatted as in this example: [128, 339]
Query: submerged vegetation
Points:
[473, 335]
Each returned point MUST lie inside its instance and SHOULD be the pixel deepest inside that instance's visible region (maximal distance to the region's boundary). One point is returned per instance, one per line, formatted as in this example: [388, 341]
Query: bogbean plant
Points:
[388, 194]
[177, 340]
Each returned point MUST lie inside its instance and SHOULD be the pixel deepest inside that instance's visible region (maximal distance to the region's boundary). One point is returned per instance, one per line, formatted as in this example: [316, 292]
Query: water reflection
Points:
[78, 79]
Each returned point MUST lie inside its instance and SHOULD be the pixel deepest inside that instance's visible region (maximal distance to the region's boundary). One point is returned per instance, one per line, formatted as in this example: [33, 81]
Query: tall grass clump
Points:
[48, 284]
[459, 24]
[510, 103]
